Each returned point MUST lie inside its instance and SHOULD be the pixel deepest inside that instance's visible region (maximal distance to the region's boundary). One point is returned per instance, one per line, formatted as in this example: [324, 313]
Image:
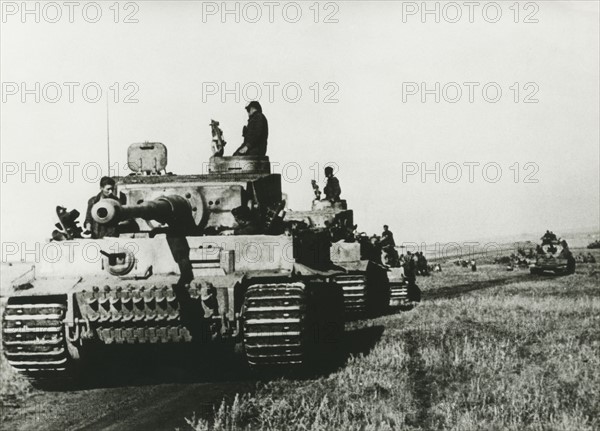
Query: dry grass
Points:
[486, 350]
[491, 350]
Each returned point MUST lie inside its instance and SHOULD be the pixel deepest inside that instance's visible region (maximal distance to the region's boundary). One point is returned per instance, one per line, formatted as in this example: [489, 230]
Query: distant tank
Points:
[199, 258]
[553, 257]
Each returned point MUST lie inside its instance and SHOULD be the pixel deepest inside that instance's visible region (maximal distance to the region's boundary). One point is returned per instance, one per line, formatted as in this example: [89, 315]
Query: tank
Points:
[197, 260]
[553, 257]
[363, 278]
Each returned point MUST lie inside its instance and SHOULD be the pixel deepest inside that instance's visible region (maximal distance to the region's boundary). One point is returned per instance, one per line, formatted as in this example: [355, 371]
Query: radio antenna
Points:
[107, 137]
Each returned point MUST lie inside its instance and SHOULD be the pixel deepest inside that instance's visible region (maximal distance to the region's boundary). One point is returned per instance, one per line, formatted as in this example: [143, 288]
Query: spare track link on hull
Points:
[354, 287]
[275, 324]
[33, 336]
[135, 315]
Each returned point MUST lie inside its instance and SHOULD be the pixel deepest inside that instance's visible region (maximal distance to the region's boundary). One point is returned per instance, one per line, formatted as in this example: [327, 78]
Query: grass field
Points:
[485, 350]
[490, 350]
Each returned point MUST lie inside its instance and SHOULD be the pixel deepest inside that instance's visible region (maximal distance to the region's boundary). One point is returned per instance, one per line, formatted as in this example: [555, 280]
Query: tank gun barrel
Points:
[165, 209]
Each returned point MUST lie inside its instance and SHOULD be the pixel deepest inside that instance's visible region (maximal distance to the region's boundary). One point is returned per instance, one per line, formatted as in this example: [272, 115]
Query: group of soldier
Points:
[471, 263]
[382, 249]
[585, 258]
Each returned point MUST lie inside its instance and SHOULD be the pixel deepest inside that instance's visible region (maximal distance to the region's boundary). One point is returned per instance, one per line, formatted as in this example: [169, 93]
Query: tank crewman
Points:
[549, 237]
[97, 230]
[387, 237]
[332, 188]
[247, 221]
[566, 253]
[410, 269]
[422, 266]
[255, 133]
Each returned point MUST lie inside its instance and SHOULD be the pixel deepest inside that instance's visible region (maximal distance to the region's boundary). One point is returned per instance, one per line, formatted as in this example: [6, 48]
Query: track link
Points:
[354, 287]
[398, 294]
[33, 336]
[275, 322]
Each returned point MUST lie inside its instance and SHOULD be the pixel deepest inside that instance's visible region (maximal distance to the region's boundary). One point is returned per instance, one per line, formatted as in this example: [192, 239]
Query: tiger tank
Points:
[195, 260]
[363, 277]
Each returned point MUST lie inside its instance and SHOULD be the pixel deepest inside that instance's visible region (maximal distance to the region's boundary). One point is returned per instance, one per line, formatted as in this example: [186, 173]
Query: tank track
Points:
[404, 296]
[137, 315]
[275, 322]
[354, 287]
[33, 336]
[398, 293]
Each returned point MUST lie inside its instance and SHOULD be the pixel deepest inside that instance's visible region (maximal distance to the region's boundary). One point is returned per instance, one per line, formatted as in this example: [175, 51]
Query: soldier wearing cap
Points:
[255, 133]
[332, 188]
[387, 237]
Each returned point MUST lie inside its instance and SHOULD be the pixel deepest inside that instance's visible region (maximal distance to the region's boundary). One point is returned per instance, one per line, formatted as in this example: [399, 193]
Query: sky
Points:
[510, 146]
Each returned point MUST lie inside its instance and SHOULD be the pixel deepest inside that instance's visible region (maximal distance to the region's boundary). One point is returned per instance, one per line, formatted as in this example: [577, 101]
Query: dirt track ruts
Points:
[134, 397]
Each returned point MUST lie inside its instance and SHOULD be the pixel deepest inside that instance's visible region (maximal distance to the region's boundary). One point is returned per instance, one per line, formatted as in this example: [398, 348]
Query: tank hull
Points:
[554, 257]
[52, 319]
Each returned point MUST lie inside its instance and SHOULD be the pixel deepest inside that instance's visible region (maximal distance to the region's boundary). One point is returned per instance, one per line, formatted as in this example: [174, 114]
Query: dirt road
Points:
[135, 396]
[154, 390]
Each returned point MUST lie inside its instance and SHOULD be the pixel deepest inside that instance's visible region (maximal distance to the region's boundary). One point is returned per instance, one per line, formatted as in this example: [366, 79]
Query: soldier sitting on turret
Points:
[548, 238]
[387, 237]
[332, 189]
[255, 133]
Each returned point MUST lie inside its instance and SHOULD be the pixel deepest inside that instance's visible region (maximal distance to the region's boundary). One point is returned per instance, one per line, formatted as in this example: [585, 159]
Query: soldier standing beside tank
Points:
[332, 188]
[97, 230]
[565, 253]
[255, 133]
[410, 269]
[410, 273]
